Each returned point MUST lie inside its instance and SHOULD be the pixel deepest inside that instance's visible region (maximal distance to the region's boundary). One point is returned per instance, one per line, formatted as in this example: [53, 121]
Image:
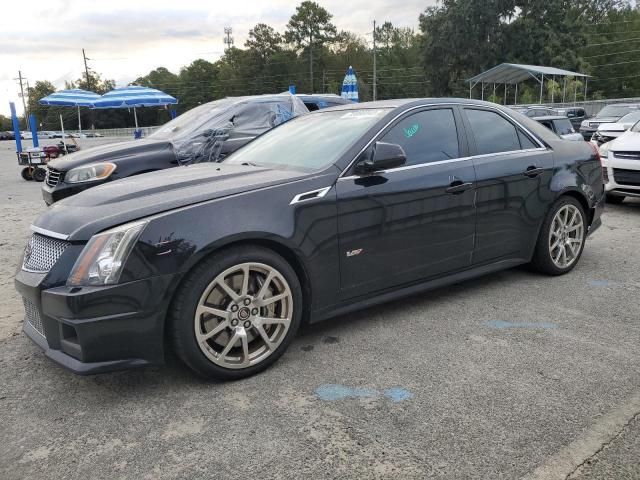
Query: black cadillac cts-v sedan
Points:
[325, 214]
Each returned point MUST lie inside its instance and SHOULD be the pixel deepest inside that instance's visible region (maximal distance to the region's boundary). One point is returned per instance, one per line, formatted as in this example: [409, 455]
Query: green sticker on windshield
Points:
[411, 131]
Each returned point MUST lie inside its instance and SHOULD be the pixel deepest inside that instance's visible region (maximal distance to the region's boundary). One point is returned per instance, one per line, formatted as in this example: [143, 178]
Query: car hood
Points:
[602, 120]
[612, 127]
[106, 153]
[115, 203]
[627, 142]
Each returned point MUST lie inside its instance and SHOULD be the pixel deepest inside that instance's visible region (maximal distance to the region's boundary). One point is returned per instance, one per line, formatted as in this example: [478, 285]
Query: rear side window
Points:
[525, 141]
[492, 132]
[427, 136]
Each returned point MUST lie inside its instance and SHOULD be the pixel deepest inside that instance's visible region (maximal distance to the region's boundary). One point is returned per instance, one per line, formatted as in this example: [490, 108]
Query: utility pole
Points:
[86, 69]
[311, 62]
[375, 93]
[24, 103]
[228, 40]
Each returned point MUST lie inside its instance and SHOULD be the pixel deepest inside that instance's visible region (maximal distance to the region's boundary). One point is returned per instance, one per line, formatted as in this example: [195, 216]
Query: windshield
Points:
[614, 111]
[564, 127]
[190, 121]
[632, 117]
[308, 143]
[636, 127]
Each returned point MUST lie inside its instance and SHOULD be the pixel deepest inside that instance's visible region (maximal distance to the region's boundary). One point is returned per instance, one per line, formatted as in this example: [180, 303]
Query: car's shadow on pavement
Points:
[175, 376]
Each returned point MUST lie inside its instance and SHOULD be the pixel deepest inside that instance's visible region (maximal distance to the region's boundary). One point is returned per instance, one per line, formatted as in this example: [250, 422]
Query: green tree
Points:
[310, 27]
[264, 41]
[197, 83]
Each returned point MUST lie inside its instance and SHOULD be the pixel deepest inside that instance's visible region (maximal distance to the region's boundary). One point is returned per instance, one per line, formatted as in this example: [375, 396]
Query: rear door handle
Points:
[458, 186]
[533, 171]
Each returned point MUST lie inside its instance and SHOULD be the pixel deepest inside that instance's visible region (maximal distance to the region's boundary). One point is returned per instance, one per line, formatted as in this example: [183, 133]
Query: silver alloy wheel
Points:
[566, 236]
[243, 315]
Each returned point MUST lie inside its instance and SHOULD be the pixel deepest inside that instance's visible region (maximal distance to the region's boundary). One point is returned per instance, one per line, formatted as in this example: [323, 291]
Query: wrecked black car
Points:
[207, 133]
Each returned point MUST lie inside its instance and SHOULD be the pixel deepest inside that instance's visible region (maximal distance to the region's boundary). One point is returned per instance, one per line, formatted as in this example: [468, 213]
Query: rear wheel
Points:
[236, 313]
[615, 199]
[561, 239]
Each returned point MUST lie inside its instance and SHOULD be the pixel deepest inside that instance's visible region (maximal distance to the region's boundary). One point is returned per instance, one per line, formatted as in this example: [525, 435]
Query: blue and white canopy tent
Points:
[350, 86]
[70, 98]
[134, 96]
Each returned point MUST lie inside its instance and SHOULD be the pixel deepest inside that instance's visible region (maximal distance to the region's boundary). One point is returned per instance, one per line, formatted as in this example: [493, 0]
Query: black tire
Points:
[39, 174]
[183, 309]
[542, 260]
[615, 199]
[26, 174]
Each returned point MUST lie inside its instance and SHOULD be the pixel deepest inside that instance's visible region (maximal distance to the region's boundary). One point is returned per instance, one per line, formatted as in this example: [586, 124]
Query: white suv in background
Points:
[621, 159]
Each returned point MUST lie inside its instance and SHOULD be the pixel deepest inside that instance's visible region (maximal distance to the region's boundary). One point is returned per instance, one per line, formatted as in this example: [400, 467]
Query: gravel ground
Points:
[515, 375]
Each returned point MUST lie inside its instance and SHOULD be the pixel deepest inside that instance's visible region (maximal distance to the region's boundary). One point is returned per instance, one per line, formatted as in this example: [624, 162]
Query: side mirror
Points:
[385, 156]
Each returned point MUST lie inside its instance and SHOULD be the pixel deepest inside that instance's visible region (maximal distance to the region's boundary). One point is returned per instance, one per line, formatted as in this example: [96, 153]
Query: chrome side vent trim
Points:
[312, 195]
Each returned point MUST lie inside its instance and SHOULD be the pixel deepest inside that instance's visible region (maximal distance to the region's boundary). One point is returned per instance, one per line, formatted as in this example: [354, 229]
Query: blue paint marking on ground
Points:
[501, 324]
[397, 394]
[601, 283]
[333, 392]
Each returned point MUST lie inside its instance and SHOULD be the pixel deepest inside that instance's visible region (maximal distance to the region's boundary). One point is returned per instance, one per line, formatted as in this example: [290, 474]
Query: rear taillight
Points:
[596, 152]
[603, 169]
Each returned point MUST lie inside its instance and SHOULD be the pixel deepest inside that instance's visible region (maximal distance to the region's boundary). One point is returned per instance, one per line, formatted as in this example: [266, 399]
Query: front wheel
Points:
[236, 313]
[562, 237]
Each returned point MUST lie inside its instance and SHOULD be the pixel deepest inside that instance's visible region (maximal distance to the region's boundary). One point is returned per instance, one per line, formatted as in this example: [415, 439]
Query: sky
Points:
[125, 39]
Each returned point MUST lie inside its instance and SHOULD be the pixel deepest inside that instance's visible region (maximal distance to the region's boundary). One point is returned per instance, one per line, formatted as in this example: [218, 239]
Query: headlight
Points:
[604, 149]
[102, 259]
[585, 123]
[90, 173]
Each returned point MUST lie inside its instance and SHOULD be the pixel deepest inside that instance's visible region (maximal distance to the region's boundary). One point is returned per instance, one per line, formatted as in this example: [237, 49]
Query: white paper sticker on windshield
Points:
[364, 113]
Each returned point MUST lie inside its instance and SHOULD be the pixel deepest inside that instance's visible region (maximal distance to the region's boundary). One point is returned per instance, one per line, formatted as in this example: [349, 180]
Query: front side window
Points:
[427, 136]
[492, 132]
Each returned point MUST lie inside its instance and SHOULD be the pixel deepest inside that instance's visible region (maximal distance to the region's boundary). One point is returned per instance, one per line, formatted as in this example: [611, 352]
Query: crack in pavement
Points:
[590, 443]
[603, 447]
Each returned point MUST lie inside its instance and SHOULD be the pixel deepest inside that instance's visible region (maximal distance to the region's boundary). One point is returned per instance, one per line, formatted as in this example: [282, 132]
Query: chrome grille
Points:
[41, 253]
[53, 177]
[627, 155]
[32, 316]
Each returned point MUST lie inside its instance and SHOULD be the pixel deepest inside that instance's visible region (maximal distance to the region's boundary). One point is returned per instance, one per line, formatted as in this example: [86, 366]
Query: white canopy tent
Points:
[512, 74]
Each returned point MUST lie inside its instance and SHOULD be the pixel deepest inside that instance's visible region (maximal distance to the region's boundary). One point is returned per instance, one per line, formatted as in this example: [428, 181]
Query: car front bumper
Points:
[623, 177]
[96, 329]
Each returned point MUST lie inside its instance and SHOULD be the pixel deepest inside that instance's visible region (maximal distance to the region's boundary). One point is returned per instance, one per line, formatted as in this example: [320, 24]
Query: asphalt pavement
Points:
[514, 375]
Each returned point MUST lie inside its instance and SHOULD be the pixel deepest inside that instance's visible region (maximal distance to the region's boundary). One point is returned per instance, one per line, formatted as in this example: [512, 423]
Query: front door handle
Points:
[533, 171]
[458, 186]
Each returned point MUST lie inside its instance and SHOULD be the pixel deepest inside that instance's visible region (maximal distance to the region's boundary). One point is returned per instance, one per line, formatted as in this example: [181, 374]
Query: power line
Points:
[612, 33]
[612, 43]
[598, 79]
[612, 53]
[616, 63]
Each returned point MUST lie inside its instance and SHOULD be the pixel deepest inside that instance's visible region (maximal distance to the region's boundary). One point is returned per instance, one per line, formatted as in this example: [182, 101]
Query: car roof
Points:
[416, 102]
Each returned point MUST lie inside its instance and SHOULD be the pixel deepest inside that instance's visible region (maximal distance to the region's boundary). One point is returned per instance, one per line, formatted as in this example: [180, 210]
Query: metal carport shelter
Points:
[513, 74]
